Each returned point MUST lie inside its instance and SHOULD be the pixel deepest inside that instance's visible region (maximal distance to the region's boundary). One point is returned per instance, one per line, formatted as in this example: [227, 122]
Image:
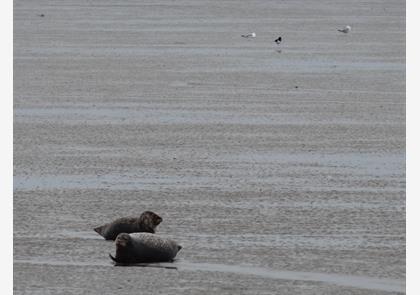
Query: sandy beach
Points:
[280, 169]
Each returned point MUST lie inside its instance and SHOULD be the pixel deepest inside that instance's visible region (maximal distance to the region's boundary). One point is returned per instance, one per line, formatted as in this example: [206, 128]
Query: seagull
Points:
[345, 30]
[278, 40]
[252, 35]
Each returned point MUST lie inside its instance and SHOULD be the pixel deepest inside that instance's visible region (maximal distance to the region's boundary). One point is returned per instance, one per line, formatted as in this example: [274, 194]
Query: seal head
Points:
[149, 221]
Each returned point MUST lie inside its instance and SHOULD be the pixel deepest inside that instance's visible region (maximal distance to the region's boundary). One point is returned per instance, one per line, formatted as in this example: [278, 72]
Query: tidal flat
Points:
[280, 169]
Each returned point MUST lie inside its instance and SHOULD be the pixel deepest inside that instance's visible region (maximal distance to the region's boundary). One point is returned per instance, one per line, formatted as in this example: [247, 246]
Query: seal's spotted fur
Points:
[144, 247]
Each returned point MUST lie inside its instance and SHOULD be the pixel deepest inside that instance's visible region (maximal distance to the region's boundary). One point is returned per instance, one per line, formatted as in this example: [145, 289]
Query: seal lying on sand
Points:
[144, 247]
[147, 222]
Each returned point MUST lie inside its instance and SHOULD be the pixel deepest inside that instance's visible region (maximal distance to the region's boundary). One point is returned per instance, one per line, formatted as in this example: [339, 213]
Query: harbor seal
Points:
[147, 222]
[144, 247]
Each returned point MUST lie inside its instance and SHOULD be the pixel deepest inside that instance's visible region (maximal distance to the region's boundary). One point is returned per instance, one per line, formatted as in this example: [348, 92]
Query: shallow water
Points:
[358, 282]
[279, 169]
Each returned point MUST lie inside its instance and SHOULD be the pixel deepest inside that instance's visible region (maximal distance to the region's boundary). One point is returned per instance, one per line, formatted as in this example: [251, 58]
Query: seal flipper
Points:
[113, 258]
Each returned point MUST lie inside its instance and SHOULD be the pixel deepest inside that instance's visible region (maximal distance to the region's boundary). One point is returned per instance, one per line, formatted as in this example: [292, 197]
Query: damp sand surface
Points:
[279, 169]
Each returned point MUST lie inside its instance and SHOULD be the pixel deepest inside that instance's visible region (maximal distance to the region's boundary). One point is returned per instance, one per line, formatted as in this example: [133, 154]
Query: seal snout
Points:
[179, 247]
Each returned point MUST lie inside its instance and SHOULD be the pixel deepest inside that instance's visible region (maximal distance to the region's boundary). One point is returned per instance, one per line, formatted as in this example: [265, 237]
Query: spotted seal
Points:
[147, 222]
[144, 247]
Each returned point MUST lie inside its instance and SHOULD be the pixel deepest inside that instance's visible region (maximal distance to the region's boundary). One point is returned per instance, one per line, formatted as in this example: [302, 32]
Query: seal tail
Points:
[99, 230]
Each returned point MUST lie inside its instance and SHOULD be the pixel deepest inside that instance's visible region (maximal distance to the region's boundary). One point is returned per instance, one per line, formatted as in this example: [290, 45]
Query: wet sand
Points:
[279, 169]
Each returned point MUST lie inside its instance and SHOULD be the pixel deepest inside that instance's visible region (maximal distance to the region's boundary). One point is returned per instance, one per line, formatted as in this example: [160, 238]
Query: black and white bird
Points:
[278, 40]
[251, 35]
[345, 30]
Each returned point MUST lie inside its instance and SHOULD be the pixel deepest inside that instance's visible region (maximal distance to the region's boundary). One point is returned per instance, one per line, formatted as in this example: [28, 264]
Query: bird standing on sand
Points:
[278, 40]
[252, 35]
[345, 30]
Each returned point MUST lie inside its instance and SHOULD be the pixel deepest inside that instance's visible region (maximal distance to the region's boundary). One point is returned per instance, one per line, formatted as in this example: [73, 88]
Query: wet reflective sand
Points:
[279, 169]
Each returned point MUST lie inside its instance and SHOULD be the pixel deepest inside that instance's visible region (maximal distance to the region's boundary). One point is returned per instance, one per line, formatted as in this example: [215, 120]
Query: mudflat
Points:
[280, 169]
